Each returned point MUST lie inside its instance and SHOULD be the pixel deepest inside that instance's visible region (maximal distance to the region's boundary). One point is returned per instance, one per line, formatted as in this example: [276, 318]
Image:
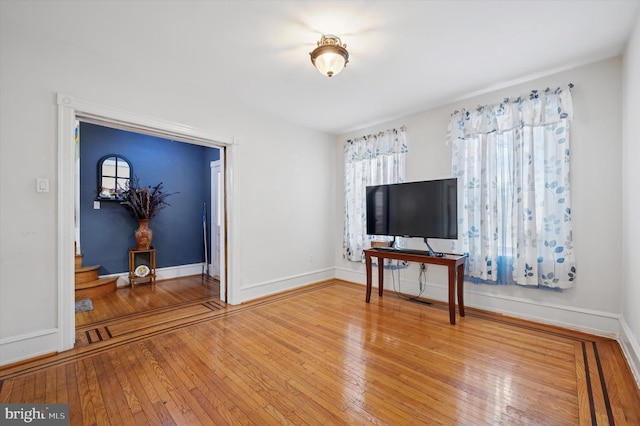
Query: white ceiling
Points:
[405, 56]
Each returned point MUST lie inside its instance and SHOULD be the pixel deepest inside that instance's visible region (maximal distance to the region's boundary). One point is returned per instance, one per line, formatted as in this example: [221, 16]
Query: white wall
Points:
[631, 202]
[595, 304]
[285, 178]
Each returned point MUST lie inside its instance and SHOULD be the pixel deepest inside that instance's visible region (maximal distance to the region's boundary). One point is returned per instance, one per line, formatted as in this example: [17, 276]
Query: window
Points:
[512, 164]
[369, 160]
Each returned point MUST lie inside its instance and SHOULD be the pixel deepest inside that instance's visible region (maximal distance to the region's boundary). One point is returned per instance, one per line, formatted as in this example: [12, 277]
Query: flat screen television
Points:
[427, 209]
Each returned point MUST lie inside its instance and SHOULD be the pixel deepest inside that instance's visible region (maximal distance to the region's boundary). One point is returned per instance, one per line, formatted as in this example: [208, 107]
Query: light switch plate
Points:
[42, 185]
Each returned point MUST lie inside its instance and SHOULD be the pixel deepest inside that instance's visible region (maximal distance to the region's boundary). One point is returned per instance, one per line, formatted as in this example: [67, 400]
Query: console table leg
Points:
[380, 276]
[461, 289]
[452, 295]
[367, 260]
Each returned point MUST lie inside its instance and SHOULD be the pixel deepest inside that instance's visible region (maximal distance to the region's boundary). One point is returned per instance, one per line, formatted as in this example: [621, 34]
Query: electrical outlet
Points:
[423, 267]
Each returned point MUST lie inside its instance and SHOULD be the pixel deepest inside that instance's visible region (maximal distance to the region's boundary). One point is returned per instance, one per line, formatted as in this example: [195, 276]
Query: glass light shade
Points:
[329, 63]
[330, 57]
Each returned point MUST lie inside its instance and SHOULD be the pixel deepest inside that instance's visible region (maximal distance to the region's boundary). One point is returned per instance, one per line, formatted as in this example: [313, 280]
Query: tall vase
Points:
[143, 234]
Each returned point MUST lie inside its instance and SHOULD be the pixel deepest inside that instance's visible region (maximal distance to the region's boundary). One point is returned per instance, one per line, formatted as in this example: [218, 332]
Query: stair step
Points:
[96, 287]
[79, 261]
[86, 274]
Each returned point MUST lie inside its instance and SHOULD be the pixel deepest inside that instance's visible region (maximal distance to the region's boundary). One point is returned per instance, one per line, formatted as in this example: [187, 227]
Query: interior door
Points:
[216, 205]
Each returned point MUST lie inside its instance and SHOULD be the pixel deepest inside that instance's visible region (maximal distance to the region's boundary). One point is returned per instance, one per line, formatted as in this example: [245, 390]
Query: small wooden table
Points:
[138, 257]
[454, 262]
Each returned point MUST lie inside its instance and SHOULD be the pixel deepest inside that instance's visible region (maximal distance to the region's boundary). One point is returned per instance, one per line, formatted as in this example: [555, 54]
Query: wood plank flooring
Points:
[319, 356]
[145, 298]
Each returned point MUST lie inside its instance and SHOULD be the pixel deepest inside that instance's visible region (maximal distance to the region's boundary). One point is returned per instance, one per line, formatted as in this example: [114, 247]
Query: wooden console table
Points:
[454, 262]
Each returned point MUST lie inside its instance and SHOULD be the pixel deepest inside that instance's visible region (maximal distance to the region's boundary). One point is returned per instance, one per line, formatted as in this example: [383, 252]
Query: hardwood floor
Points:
[144, 298]
[320, 355]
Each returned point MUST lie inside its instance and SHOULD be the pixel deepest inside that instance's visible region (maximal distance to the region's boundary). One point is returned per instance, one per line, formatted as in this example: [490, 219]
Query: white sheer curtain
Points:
[368, 160]
[512, 164]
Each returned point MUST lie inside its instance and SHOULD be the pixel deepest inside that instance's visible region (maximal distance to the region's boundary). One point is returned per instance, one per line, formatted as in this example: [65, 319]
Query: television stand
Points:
[431, 252]
[454, 262]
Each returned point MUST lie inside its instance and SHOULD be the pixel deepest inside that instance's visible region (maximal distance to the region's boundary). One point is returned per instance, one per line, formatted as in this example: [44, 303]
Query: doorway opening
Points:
[70, 111]
[185, 241]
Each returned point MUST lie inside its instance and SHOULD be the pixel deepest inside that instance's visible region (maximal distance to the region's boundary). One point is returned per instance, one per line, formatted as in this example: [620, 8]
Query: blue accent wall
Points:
[107, 234]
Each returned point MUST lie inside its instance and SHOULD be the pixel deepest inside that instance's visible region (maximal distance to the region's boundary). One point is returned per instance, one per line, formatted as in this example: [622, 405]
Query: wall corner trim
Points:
[630, 348]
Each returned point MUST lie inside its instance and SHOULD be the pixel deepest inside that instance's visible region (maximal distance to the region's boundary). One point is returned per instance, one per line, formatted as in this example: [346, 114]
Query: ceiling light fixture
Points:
[331, 56]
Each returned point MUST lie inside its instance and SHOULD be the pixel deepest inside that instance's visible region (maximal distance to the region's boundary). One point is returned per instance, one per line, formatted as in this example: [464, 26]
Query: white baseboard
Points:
[162, 273]
[248, 292]
[589, 321]
[267, 288]
[631, 349]
[30, 345]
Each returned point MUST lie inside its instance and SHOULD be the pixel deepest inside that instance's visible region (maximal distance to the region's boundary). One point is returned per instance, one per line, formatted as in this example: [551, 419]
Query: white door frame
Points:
[216, 218]
[71, 109]
[217, 221]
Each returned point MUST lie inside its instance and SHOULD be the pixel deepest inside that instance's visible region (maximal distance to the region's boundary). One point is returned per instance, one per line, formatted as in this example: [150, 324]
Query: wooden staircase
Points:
[88, 284]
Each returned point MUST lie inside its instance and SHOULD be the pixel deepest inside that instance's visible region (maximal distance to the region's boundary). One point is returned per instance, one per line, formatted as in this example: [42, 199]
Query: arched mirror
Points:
[114, 174]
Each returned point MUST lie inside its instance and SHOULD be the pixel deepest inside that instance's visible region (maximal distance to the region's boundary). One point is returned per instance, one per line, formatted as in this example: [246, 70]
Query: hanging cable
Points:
[422, 282]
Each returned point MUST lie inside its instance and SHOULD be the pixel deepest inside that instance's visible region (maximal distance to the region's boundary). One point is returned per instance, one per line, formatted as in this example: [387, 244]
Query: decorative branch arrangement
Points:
[144, 202]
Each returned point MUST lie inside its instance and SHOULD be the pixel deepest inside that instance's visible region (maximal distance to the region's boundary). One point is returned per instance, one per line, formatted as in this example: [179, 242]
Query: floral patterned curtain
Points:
[369, 160]
[512, 164]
